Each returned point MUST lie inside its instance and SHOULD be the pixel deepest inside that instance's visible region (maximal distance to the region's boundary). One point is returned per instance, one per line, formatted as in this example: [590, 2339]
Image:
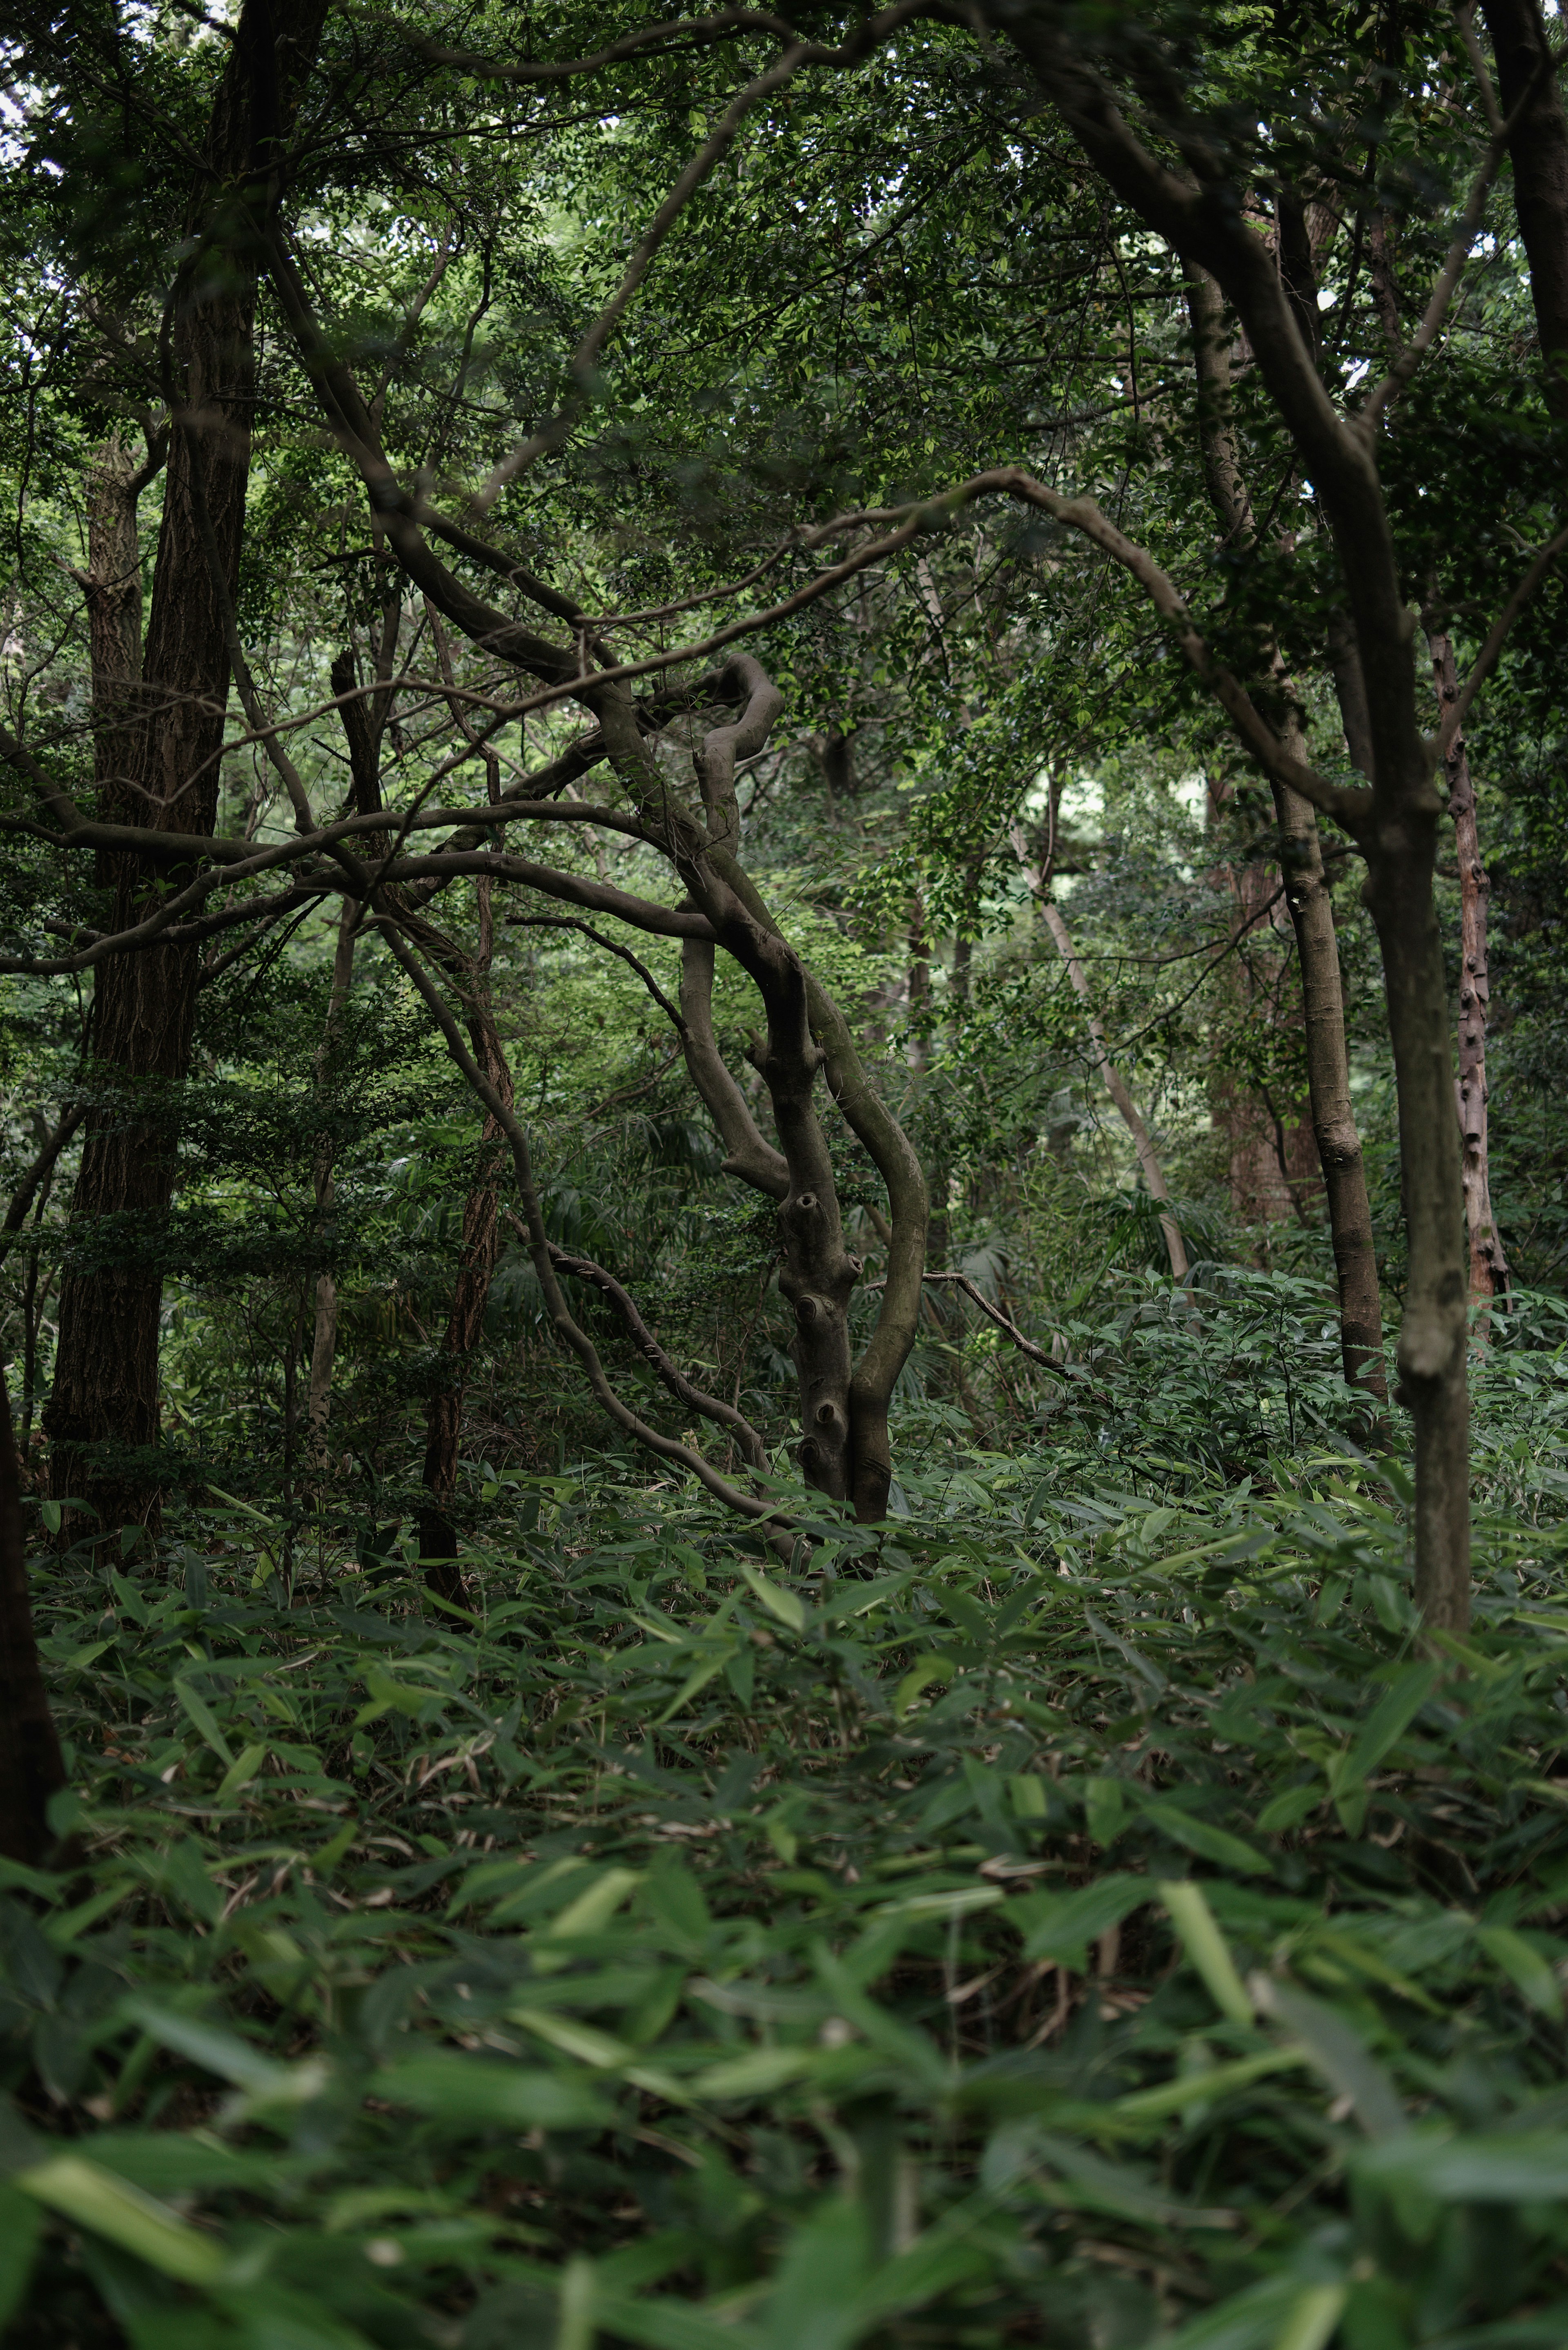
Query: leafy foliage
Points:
[1070, 1912]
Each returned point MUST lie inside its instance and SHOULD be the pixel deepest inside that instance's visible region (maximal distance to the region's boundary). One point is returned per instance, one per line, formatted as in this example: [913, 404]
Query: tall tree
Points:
[103, 1415]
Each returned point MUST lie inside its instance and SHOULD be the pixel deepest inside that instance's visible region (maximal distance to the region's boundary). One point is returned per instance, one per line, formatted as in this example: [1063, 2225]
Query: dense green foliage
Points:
[703, 1955]
[1081, 1907]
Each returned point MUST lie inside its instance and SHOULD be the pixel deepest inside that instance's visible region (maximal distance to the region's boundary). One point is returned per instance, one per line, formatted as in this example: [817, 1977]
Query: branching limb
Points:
[583, 1268]
[750, 1157]
[1487, 659]
[271, 737]
[994, 1313]
[610, 946]
[42, 1168]
[723, 745]
[667, 1448]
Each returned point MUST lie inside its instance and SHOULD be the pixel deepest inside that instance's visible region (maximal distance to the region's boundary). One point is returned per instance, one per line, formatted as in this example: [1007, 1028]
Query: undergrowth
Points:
[1079, 1921]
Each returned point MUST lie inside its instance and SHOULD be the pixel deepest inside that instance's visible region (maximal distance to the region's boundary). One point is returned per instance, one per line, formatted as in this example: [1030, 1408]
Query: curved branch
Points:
[723, 745]
[1487, 659]
[750, 1157]
[961, 1280]
[667, 1448]
[565, 922]
[41, 1168]
[583, 1268]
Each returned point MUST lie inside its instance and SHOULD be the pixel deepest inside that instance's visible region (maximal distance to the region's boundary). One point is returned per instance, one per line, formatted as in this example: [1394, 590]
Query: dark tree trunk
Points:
[1537, 151]
[103, 1416]
[31, 1770]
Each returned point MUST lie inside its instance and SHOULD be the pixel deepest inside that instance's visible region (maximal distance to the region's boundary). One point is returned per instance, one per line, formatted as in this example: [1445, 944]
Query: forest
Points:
[784, 812]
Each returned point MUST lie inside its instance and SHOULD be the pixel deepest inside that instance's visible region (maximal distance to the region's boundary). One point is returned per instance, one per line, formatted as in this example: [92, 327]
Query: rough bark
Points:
[31, 1770]
[1488, 1266]
[1538, 152]
[103, 1416]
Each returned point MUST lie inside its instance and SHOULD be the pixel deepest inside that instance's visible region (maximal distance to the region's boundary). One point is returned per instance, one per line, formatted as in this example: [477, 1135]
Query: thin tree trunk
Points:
[103, 1415]
[324, 1341]
[1306, 894]
[1328, 1087]
[31, 1769]
[1488, 1266]
[1115, 1085]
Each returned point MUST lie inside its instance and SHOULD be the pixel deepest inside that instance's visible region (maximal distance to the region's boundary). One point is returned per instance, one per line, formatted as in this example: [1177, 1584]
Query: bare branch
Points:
[1487, 659]
[583, 1268]
[42, 1168]
[995, 1312]
[667, 1448]
[565, 922]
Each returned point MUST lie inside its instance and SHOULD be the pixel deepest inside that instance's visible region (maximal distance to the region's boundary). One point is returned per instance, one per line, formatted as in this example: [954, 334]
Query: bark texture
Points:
[1488, 1266]
[103, 1415]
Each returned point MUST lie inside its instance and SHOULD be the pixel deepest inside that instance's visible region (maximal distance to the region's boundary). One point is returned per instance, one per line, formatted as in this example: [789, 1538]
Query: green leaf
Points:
[183, 1872]
[757, 2073]
[1288, 1809]
[1207, 1947]
[1337, 2051]
[590, 1913]
[94, 2198]
[782, 1604]
[1312, 2318]
[1218, 2081]
[1060, 1925]
[823, 2267]
[241, 1772]
[200, 1714]
[487, 2093]
[1387, 1724]
[1209, 1842]
[1524, 1966]
[1525, 2168]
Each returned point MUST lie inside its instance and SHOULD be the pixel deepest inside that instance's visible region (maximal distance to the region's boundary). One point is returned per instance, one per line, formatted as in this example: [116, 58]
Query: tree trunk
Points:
[103, 1415]
[111, 588]
[1537, 151]
[31, 1770]
[324, 1341]
[1307, 891]
[1328, 1087]
[1433, 1333]
[466, 1322]
[1488, 1266]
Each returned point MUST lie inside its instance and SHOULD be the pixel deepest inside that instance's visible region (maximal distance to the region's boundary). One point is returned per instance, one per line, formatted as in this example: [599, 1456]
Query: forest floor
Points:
[1075, 1916]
